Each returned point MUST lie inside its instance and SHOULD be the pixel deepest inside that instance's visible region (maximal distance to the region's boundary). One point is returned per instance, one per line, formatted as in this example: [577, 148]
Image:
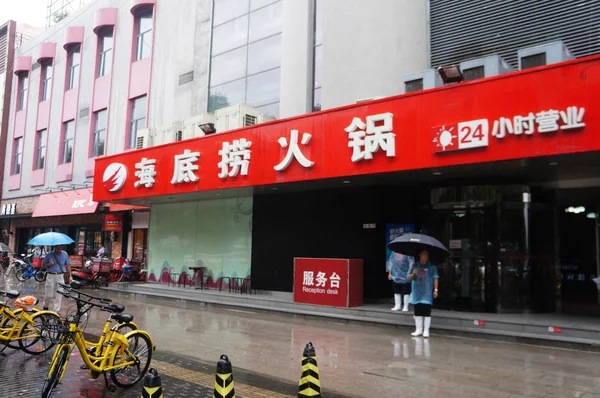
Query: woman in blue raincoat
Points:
[399, 266]
[424, 277]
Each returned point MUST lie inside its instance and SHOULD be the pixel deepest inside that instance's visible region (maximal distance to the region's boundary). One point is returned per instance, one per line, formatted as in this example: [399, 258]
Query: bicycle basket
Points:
[56, 332]
[26, 303]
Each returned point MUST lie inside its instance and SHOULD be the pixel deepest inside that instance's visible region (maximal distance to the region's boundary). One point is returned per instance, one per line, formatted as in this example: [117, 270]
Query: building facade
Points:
[121, 77]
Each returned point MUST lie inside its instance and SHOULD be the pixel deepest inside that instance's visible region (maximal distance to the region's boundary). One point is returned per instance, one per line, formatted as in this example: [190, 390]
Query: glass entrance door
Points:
[466, 279]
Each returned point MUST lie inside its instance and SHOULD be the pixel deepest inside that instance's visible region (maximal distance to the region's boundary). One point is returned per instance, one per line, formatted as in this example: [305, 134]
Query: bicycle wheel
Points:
[34, 338]
[40, 276]
[125, 328]
[140, 351]
[20, 274]
[8, 323]
[57, 369]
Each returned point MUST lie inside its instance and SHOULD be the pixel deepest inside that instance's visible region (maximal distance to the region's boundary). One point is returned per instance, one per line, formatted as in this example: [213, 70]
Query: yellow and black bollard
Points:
[310, 385]
[224, 386]
[152, 385]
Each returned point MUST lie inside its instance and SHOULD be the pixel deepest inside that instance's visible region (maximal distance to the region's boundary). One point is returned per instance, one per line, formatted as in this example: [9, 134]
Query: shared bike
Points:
[126, 357]
[26, 329]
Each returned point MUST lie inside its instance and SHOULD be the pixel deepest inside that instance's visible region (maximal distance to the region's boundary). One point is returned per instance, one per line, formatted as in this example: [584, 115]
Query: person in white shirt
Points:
[101, 250]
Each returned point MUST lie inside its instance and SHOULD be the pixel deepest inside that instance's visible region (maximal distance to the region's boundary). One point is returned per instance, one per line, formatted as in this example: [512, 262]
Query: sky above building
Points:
[31, 12]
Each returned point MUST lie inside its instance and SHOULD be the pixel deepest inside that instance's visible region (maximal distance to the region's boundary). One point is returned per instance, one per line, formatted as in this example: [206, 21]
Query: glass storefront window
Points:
[230, 35]
[263, 88]
[226, 95]
[265, 22]
[226, 10]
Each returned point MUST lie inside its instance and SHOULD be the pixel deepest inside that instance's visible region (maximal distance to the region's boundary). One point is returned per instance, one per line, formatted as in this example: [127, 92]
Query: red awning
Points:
[62, 203]
[119, 207]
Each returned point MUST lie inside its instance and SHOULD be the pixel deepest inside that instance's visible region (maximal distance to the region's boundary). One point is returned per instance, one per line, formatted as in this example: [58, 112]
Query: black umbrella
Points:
[412, 244]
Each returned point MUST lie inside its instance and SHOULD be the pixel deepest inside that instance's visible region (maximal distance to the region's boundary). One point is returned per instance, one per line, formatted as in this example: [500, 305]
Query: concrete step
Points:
[532, 328]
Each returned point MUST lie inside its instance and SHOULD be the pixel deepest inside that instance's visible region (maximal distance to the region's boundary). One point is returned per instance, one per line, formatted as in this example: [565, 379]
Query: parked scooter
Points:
[84, 275]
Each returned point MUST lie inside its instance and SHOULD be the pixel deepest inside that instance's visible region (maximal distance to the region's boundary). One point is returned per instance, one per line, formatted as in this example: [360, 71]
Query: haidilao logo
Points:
[114, 176]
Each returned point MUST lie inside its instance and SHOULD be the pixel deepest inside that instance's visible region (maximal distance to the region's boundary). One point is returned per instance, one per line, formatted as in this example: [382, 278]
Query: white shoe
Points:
[397, 298]
[426, 327]
[419, 327]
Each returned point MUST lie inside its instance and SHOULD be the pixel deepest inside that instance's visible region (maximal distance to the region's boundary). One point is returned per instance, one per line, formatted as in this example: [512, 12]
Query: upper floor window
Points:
[40, 150]
[99, 135]
[143, 46]
[105, 47]
[73, 61]
[137, 119]
[17, 156]
[46, 80]
[22, 94]
[67, 142]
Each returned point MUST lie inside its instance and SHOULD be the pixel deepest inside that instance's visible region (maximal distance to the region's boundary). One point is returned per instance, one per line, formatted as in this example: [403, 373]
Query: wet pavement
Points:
[355, 360]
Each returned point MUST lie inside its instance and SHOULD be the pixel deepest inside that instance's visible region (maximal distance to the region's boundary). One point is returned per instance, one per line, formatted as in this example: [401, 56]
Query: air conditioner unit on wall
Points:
[492, 65]
[426, 79]
[191, 126]
[235, 117]
[265, 118]
[551, 53]
[167, 133]
[144, 138]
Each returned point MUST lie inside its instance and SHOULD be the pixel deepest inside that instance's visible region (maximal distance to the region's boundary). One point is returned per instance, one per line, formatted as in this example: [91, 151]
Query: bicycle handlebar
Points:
[107, 308]
[72, 289]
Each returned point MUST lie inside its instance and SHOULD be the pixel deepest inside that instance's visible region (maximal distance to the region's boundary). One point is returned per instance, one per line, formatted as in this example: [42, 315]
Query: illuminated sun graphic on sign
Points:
[445, 137]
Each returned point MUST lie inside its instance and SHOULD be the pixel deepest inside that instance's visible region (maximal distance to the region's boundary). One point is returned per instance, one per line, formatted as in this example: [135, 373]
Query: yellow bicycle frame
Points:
[20, 320]
[116, 344]
[105, 336]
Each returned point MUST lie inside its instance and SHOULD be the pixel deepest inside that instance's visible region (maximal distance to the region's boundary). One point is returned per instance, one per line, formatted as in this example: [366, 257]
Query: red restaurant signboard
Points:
[544, 111]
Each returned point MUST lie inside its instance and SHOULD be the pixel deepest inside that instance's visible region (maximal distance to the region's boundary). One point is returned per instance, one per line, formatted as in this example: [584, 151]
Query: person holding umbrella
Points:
[423, 276]
[57, 264]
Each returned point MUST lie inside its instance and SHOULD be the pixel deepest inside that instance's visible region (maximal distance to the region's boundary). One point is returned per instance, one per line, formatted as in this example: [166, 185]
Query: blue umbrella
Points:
[412, 244]
[50, 239]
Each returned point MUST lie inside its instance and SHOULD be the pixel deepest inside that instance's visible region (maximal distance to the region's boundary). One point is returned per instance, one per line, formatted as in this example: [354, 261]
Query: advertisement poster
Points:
[392, 231]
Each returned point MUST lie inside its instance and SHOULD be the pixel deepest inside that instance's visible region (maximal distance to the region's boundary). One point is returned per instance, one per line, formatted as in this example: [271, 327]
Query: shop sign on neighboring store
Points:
[113, 223]
[475, 133]
[9, 209]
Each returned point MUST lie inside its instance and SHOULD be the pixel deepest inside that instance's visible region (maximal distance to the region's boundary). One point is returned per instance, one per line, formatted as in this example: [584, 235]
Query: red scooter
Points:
[85, 275]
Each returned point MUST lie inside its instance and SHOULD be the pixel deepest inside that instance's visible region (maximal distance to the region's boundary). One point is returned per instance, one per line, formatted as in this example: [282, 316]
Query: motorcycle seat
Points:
[122, 318]
[12, 294]
[118, 308]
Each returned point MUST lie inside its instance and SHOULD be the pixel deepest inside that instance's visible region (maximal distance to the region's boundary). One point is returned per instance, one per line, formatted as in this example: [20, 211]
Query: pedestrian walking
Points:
[424, 277]
[399, 266]
[58, 268]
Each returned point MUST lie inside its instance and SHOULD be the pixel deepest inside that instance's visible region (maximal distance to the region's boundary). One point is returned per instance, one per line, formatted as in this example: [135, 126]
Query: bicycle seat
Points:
[122, 318]
[118, 308]
[12, 294]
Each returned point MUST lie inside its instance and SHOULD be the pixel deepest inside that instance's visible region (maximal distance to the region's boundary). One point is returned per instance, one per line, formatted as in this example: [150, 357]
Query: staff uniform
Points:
[422, 296]
[400, 265]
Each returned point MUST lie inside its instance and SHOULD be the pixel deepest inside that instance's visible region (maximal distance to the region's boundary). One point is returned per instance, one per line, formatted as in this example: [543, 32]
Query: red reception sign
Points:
[327, 281]
[538, 112]
[113, 223]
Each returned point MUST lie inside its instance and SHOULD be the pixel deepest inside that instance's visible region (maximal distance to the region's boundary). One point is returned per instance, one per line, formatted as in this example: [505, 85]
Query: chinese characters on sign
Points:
[367, 138]
[294, 151]
[9, 209]
[235, 158]
[185, 165]
[475, 133]
[320, 282]
[146, 171]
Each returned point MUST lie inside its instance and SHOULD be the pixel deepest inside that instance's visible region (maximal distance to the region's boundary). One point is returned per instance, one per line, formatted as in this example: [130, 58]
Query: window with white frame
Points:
[99, 134]
[137, 119]
[23, 82]
[17, 156]
[68, 135]
[40, 150]
[143, 46]
[46, 81]
[105, 51]
[73, 62]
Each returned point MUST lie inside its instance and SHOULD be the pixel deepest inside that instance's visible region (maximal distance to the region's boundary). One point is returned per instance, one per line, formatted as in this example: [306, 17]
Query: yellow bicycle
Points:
[126, 357]
[25, 329]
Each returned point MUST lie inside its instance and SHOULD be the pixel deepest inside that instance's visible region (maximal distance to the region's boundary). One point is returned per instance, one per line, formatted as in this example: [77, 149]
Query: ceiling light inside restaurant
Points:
[575, 210]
